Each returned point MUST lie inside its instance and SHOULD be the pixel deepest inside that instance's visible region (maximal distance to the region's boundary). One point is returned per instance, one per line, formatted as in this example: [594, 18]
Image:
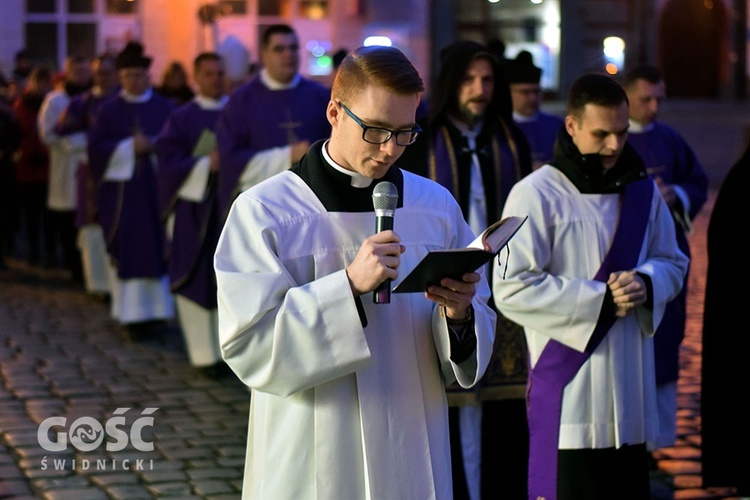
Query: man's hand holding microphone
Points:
[376, 264]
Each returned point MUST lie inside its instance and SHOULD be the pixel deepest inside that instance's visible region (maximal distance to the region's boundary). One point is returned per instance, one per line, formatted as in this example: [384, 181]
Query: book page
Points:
[497, 235]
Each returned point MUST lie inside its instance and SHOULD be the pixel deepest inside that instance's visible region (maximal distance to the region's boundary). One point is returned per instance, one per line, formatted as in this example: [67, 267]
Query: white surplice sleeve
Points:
[280, 336]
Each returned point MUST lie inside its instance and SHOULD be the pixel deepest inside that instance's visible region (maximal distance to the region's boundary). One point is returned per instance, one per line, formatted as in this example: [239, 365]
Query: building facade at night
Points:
[700, 44]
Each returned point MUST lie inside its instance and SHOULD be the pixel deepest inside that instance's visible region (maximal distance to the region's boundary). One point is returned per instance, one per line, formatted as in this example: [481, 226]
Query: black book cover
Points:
[455, 262]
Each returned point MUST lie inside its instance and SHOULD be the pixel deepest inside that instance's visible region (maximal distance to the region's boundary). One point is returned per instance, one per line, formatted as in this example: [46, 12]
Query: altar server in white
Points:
[348, 396]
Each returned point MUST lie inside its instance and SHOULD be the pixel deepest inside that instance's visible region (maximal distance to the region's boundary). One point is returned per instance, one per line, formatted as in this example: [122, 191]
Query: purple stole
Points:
[443, 166]
[558, 363]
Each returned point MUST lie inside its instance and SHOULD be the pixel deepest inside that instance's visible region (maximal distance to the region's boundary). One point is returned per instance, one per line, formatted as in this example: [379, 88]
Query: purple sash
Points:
[558, 364]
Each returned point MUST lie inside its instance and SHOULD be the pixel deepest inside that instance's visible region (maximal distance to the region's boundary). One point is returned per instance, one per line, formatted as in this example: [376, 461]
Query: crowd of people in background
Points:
[128, 185]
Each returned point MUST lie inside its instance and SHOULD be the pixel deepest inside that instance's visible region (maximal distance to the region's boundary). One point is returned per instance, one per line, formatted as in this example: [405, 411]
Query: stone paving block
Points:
[181, 489]
[214, 473]
[682, 453]
[82, 388]
[5, 456]
[212, 487]
[237, 427]
[32, 452]
[12, 488]
[22, 437]
[166, 444]
[127, 492]
[164, 476]
[26, 381]
[688, 481]
[70, 481]
[237, 462]
[695, 494]
[113, 479]
[680, 467]
[75, 493]
[212, 440]
[163, 465]
[93, 404]
[8, 472]
[187, 453]
[236, 496]
[198, 425]
[30, 392]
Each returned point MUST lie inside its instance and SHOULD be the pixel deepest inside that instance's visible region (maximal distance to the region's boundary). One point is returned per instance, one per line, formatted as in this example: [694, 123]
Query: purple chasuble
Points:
[541, 134]
[668, 156]
[129, 210]
[257, 118]
[78, 117]
[196, 224]
[558, 363]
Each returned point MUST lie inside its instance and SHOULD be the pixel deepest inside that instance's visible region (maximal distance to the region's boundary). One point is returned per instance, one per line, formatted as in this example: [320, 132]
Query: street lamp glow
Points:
[383, 41]
[613, 46]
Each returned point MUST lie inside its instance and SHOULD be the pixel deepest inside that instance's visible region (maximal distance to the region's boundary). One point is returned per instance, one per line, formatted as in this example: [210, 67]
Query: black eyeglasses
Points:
[379, 135]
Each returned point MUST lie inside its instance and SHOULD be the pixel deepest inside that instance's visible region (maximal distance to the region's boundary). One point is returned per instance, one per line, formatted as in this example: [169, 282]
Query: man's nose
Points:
[390, 146]
[614, 142]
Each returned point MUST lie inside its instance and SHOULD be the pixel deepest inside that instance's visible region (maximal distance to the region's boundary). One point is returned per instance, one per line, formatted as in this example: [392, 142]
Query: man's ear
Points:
[333, 112]
[570, 124]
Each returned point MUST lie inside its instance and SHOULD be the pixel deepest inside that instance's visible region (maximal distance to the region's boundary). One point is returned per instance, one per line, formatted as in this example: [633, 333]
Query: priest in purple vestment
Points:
[122, 159]
[270, 122]
[539, 127]
[188, 169]
[683, 183]
[77, 120]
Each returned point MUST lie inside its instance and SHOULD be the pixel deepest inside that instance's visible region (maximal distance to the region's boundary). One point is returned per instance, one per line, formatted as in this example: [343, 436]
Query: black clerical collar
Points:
[334, 188]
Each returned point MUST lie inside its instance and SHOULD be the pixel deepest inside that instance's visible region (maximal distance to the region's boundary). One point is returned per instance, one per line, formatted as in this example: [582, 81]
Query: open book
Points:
[455, 262]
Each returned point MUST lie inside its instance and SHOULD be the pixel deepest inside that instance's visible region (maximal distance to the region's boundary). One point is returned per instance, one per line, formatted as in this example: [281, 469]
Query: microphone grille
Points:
[385, 196]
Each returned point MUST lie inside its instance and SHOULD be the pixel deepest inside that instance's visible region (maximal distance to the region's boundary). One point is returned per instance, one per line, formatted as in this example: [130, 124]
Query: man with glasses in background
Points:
[539, 127]
[269, 122]
[348, 395]
[123, 162]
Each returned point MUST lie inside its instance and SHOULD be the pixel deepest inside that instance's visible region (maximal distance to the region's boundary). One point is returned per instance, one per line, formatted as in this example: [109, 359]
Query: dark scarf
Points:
[586, 172]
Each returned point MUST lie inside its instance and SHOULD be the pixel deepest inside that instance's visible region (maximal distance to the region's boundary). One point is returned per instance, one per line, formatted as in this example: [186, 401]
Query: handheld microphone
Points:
[384, 200]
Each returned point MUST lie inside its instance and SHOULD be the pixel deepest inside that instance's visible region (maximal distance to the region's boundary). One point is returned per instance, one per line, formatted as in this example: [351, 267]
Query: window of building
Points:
[56, 29]
[233, 7]
[274, 8]
[122, 6]
[81, 6]
[40, 6]
[41, 42]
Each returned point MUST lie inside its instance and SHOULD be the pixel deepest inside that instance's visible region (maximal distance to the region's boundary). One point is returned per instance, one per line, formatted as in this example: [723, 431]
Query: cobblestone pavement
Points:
[62, 356]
